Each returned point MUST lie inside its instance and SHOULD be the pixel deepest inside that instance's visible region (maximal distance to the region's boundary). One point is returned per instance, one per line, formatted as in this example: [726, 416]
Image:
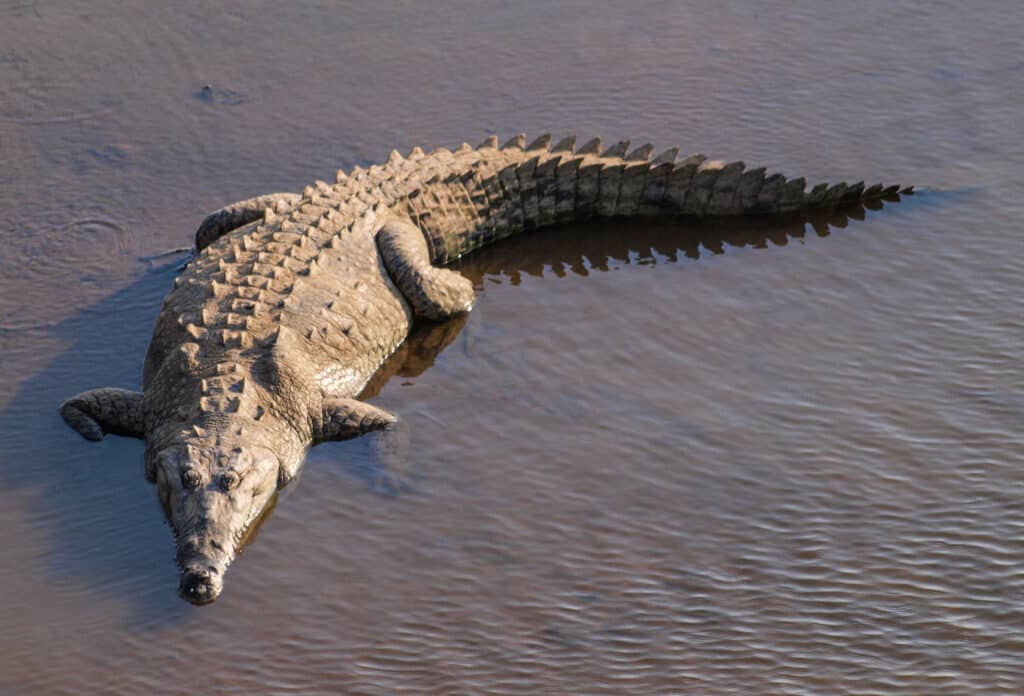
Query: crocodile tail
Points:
[521, 186]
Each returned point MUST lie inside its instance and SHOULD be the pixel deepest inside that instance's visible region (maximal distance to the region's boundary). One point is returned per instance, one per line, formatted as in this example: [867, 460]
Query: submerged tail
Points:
[484, 194]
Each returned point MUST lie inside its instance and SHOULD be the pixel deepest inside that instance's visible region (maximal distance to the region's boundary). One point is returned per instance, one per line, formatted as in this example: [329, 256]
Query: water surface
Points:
[745, 458]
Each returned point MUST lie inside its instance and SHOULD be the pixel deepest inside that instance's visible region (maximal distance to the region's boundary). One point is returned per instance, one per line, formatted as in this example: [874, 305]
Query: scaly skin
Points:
[293, 301]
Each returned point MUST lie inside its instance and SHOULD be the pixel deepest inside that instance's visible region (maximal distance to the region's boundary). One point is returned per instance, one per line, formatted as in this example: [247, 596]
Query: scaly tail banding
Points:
[489, 192]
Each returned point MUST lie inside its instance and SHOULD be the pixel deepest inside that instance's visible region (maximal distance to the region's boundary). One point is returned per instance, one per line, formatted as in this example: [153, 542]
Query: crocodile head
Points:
[212, 496]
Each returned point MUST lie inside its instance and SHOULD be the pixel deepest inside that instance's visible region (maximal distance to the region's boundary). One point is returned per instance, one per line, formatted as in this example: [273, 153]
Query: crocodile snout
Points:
[199, 586]
[203, 559]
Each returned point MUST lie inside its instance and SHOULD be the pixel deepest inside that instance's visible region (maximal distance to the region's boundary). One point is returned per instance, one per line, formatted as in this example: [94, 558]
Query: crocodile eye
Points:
[228, 480]
[191, 479]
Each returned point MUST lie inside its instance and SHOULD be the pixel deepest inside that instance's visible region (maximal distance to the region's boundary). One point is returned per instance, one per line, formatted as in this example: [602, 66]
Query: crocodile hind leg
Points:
[343, 419]
[434, 293]
[108, 410]
[220, 222]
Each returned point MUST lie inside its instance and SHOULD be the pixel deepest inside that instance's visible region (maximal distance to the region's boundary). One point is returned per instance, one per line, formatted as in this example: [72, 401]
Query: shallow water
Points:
[775, 458]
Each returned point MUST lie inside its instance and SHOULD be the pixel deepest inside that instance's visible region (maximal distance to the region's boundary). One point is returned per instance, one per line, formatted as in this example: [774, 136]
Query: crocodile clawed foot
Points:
[94, 413]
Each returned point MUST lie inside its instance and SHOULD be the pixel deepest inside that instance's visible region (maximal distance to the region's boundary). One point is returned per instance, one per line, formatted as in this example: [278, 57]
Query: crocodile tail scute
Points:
[617, 184]
[562, 185]
[523, 185]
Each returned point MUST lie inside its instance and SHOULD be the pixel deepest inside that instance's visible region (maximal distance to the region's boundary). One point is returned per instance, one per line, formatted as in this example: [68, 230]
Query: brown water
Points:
[746, 459]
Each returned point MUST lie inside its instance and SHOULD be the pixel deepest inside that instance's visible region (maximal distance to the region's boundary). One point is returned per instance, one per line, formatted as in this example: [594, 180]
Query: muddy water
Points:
[754, 458]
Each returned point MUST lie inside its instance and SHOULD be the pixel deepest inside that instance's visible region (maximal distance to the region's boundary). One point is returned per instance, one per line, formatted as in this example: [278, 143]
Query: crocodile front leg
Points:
[220, 222]
[343, 419]
[434, 293]
[108, 410]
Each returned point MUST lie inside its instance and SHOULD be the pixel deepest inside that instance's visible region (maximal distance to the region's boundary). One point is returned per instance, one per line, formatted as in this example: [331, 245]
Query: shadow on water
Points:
[584, 247]
[90, 504]
[98, 515]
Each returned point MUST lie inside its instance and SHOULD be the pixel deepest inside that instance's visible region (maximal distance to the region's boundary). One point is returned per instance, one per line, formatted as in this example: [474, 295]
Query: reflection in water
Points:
[251, 532]
[579, 248]
[417, 353]
[791, 471]
[586, 246]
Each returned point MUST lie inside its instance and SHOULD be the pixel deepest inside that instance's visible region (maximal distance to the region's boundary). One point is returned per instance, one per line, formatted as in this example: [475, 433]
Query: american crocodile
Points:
[292, 301]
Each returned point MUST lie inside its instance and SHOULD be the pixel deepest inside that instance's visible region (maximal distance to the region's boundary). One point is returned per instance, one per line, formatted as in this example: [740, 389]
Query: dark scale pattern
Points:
[471, 198]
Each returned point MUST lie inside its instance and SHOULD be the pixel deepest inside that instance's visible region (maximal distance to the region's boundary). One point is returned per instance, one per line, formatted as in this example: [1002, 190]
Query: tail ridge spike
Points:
[641, 154]
[619, 149]
[835, 192]
[816, 195]
[541, 143]
[872, 191]
[668, 156]
[516, 142]
[591, 147]
[490, 143]
[565, 144]
[854, 191]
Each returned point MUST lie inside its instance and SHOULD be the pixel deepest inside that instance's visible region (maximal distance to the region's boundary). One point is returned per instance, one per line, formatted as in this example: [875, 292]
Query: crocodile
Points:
[291, 302]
